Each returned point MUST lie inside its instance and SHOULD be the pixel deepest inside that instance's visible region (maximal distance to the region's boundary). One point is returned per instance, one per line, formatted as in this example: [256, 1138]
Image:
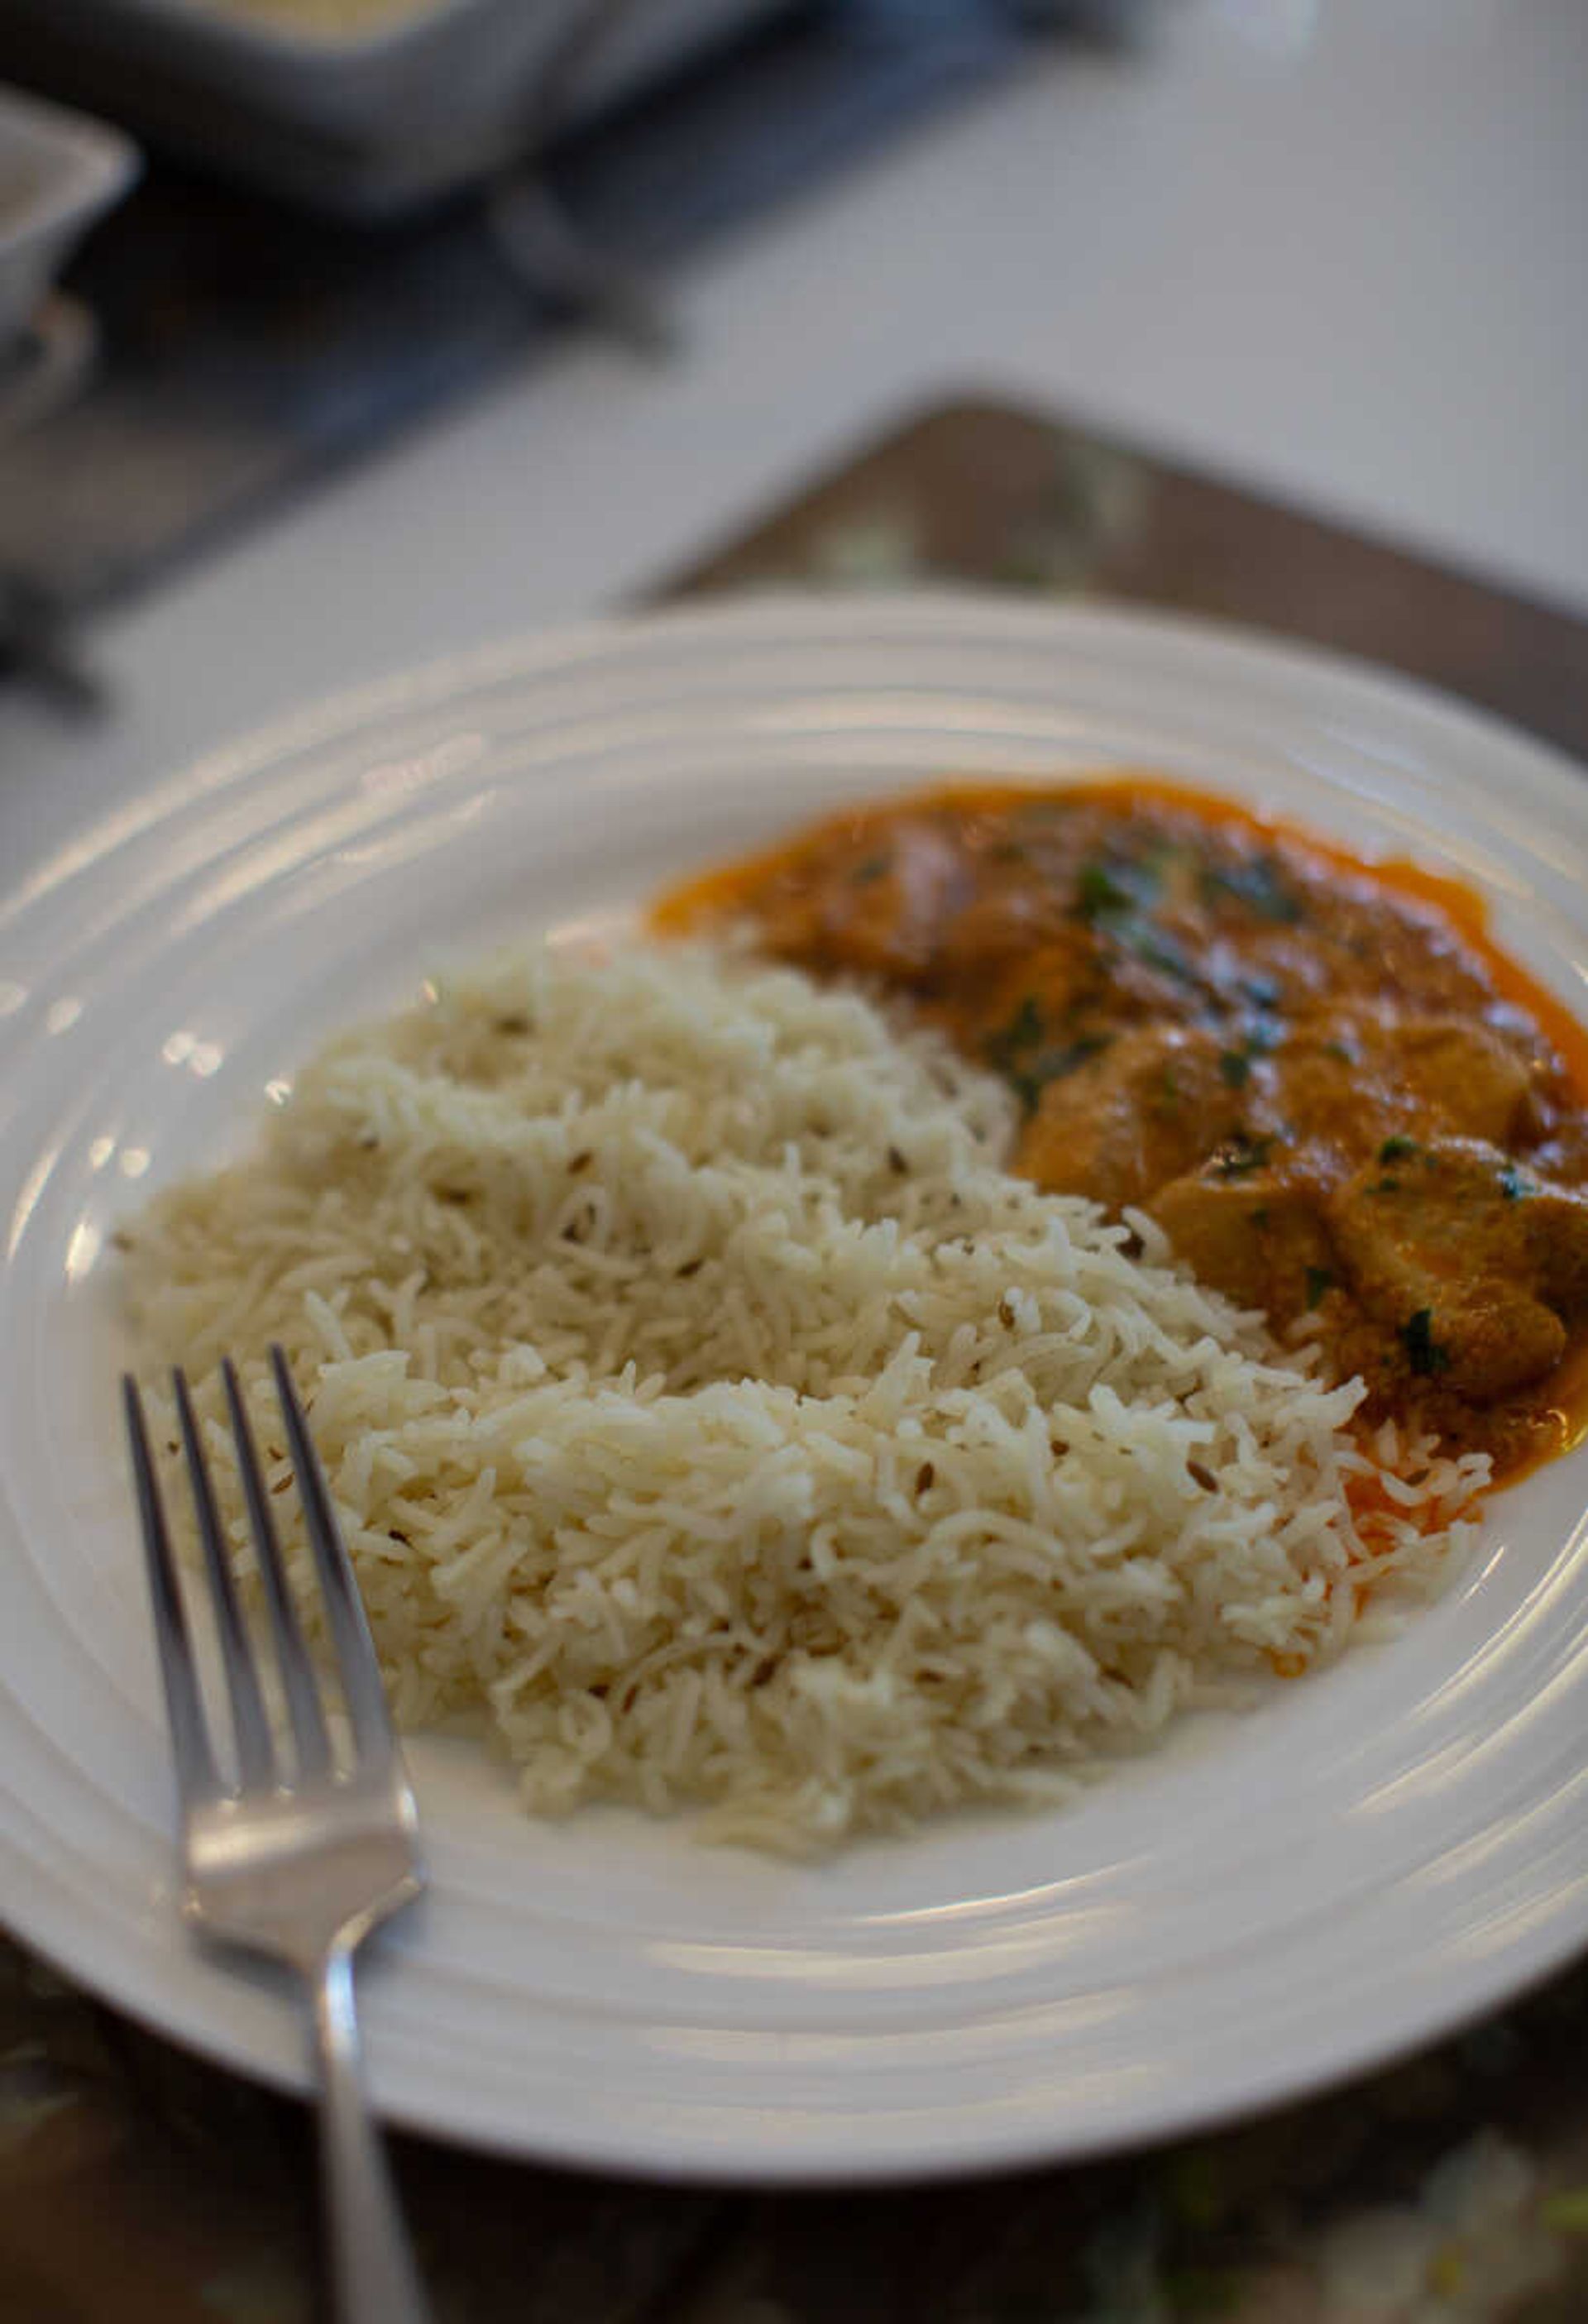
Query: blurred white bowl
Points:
[59, 171]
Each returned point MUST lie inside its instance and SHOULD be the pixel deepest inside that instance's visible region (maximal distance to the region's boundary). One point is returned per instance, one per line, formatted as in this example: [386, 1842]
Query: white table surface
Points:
[1335, 247]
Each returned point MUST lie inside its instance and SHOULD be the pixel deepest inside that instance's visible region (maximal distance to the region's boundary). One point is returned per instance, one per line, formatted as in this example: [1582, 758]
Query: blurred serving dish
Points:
[365, 106]
[57, 174]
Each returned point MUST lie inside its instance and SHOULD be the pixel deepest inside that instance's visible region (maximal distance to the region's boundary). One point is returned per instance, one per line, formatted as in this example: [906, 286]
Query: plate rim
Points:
[527, 652]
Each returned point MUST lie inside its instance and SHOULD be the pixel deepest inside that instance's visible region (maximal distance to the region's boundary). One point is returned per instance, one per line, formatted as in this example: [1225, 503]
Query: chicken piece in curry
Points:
[1321, 1084]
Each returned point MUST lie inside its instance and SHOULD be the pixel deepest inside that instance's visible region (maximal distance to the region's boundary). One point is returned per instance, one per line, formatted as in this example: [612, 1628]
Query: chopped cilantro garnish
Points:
[1030, 1080]
[1259, 884]
[1398, 1149]
[1513, 1185]
[1423, 1351]
[1010, 1050]
[1023, 1031]
[1156, 949]
[1025, 1024]
[1241, 1154]
[1236, 1067]
[1112, 887]
[1116, 897]
[1319, 1284]
[1098, 892]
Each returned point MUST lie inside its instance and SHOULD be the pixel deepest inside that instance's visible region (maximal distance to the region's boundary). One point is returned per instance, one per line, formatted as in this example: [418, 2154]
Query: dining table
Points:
[1272, 323]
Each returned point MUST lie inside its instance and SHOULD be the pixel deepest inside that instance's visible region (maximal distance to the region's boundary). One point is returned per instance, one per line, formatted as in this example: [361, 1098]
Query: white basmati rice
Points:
[707, 1406]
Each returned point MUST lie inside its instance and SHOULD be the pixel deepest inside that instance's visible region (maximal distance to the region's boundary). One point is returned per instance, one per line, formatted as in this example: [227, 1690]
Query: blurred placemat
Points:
[980, 491]
[139, 2185]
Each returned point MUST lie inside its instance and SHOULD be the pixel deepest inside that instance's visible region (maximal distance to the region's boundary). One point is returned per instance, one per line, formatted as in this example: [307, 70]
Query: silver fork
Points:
[299, 1861]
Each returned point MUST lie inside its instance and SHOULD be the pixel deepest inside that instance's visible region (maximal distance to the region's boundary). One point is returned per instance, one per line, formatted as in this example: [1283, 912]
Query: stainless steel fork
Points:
[296, 1857]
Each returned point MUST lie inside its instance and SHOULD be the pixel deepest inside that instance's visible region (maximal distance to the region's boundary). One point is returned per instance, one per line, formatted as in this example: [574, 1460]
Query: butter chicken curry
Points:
[1341, 1104]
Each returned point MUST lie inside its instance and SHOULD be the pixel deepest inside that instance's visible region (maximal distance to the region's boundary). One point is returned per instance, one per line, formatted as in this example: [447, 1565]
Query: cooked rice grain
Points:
[717, 1461]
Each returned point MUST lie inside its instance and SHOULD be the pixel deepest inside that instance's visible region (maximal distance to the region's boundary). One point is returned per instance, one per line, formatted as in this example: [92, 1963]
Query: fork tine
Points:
[184, 1706]
[303, 1706]
[256, 1758]
[356, 1664]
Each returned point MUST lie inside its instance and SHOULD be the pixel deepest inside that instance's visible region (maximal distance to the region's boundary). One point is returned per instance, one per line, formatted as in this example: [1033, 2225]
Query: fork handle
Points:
[372, 2274]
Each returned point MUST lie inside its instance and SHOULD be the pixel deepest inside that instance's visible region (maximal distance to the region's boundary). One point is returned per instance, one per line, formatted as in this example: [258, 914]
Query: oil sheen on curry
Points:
[1342, 1103]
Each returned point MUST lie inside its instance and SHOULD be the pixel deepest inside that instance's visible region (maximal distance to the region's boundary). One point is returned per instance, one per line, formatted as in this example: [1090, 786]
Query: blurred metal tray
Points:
[367, 121]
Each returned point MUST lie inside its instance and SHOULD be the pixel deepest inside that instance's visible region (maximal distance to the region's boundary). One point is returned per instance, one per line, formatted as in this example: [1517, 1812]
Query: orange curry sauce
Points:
[1342, 1102]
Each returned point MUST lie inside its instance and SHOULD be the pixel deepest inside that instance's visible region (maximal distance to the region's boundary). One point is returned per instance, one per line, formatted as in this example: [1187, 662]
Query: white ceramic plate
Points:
[1374, 1856]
